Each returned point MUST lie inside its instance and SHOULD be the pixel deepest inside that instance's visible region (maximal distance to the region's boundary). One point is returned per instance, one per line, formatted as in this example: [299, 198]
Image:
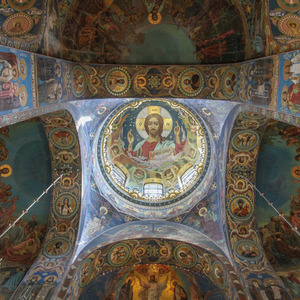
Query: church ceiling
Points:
[108, 125]
[152, 155]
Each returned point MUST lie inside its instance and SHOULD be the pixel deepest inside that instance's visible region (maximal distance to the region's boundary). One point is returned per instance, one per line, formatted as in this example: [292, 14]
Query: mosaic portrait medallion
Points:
[185, 255]
[85, 272]
[219, 274]
[117, 81]
[290, 25]
[57, 247]
[229, 82]
[5, 170]
[241, 207]
[65, 205]
[119, 254]
[17, 24]
[296, 172]
[191, 82]
[62, 138]
[246, 249]
[245, 140]
[78, 81]
[153, 151]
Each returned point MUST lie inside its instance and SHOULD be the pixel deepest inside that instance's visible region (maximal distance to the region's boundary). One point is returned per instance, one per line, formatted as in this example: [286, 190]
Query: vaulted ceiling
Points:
[156, 113]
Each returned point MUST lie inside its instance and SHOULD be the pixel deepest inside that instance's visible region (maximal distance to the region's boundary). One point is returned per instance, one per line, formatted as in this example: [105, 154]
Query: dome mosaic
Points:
[153, 152]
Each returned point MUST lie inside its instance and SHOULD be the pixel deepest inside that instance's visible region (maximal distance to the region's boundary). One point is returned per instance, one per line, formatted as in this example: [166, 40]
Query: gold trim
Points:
[150, 19]
[294, 171]
[9, 170]
[153, 180]
[122, 168]
[202, 211]
[184, 169]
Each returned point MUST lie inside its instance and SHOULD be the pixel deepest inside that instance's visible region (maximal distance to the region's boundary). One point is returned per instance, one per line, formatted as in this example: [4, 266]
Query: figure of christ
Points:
[152, 290]
[155, 142]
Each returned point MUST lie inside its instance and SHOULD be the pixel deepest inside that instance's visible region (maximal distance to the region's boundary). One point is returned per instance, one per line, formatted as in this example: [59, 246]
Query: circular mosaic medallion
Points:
[62, 138]
[145, 156]
[65, 205]
[229, 82]
[219, 274]
[85, 272]
[290, 25]
[289, 5]
[21, 4]
[241, 207]
[167, 81]
[78, 81]
[119, 254]
[17, 24]
[23, 95]
[57, 247]
[245, 249]
[296, 172]
[23, 69]
[185, 255]
[5, 170]
[117, 81]
[191, 82]
[245, 140]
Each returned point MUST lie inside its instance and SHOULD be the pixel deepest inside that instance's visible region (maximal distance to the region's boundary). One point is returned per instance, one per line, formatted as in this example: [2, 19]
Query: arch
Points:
[243, 238]
[137, 233]
[60, 240]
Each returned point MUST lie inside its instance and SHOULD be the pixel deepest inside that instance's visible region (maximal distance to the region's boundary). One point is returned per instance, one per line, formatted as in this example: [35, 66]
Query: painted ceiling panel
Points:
[166, 31]
[278, 178]
[25, 155]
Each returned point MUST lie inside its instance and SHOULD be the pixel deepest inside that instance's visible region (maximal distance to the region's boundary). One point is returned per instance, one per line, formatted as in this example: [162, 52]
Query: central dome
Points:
[153, 152]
